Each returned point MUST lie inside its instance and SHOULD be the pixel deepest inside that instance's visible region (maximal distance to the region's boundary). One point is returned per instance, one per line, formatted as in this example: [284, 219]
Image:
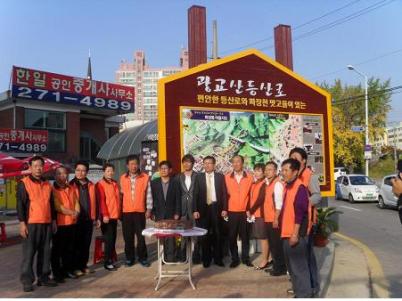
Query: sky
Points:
[55, 35]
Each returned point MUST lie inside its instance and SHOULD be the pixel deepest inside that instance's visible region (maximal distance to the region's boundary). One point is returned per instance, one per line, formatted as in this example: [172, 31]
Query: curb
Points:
[325, 267]
[378, 283]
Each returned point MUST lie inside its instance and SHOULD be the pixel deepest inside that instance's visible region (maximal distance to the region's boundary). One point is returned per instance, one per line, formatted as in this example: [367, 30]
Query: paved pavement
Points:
[381, 231]
[242, 282]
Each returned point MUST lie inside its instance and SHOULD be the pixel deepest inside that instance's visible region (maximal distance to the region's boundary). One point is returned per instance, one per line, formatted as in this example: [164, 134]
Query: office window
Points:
[53, 122]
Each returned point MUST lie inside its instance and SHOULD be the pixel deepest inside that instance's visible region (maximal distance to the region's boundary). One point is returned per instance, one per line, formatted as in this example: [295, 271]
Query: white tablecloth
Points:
[185, 233]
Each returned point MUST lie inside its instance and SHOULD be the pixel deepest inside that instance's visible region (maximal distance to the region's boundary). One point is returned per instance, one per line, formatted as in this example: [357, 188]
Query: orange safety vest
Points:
[39, 194]
[136, 202]
[254, 192]
[269, 203]
[238, 193]
[112, 197]
[67, 198]
[305, 177]
[92, 197]
[288, 210]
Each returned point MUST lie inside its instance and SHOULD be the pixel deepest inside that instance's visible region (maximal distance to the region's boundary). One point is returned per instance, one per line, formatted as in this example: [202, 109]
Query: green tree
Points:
[349, 110]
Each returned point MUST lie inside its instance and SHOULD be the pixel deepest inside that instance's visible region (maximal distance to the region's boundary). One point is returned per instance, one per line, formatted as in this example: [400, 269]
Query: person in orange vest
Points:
[310, 180]
[89, 213]
[255, 208]
[295, 225]
[67, 207]
[136, 208]
[238, 185]
[37, 216]
[272, 209]
[108, 194]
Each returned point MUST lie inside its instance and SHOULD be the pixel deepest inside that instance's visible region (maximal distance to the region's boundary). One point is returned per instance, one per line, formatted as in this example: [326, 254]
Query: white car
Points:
[357, 188]
[339, 171]
[387, 198]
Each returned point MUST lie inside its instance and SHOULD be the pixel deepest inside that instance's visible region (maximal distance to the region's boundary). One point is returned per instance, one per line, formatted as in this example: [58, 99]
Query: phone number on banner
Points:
[72, 99]
[23, 147]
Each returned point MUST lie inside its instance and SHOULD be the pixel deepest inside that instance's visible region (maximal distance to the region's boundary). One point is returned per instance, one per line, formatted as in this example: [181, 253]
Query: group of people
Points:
[57, 222]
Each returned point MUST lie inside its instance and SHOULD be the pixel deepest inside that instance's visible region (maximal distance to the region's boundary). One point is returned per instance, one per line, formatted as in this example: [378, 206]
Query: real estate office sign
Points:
[245, 104]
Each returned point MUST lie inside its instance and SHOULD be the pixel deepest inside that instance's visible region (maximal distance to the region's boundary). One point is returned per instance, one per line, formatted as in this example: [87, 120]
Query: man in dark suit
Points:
[186, 187]
[166, 202]
[209, 198]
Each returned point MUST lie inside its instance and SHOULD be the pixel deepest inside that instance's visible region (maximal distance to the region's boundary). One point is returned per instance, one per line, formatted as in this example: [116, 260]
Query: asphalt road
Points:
[381, 231]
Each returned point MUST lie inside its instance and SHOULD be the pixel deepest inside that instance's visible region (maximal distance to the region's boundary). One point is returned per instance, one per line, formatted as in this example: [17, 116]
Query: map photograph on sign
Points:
[258, 136]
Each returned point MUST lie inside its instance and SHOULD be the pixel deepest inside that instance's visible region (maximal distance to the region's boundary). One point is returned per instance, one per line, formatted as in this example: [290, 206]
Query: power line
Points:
[391, 91]
[361, 63]
[296, 28]
[340, 21]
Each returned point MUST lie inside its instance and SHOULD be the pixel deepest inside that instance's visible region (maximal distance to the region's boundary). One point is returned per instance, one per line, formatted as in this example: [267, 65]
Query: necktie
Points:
[209, 189]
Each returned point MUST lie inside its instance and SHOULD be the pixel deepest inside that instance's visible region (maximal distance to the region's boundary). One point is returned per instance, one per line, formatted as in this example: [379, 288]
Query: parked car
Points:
[356, 188]
[386, 197]
[339, 171]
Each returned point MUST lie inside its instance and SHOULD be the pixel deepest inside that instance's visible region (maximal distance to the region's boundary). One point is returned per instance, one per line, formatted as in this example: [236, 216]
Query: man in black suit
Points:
[209, 198]
[166, 202]
[186, 187]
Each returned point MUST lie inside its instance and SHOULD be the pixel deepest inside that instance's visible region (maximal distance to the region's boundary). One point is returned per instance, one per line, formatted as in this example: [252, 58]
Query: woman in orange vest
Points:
[238, 185]
[68, 208]
[255, 209]
[89, 213]
[310, 180]
[136, 207]
[295, 225]
[272, 208]
[108, 194]
[35, 208]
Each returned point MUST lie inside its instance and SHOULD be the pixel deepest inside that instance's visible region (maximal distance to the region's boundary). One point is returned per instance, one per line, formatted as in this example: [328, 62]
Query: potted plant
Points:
[325, 225]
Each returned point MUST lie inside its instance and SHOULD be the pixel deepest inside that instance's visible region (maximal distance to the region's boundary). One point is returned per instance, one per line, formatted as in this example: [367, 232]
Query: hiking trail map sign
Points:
[245, 104]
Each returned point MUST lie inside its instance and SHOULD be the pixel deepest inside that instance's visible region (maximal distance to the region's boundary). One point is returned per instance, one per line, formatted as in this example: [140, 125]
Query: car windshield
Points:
[361, 180]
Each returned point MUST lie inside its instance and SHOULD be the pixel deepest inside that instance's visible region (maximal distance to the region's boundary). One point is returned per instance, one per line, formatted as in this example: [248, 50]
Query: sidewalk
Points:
[344, 272]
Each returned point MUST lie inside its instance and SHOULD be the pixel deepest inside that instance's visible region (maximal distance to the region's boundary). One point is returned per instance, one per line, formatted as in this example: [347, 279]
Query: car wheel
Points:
[351, 199]
[381, 203]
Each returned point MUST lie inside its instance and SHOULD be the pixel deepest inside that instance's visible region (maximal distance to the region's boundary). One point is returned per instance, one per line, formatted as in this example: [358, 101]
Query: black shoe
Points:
[110, 267]
[206, 264]
[219, 263]
[27, 287]
[276, 273]
[196, 261]
[59, 279]
[145, 263]
[71, 275]
[48, 283]
[248, 263]
[129, 263]
[234, 264]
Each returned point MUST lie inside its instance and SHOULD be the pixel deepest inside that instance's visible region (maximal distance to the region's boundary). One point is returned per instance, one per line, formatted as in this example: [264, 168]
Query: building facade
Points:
[392, 137]
[145, 80]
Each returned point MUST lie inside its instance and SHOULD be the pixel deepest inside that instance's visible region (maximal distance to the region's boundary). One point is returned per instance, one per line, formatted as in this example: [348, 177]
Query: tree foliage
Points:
[349, 110]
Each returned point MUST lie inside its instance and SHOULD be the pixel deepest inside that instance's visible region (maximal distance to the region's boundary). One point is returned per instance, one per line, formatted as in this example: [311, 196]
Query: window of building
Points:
[53, 122]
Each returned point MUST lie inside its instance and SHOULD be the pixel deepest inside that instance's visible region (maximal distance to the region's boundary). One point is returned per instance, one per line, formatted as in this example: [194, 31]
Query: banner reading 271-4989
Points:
[51, 87]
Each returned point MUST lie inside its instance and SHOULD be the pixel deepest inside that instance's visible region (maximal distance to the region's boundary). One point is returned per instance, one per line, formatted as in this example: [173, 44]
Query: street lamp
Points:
[350, 67]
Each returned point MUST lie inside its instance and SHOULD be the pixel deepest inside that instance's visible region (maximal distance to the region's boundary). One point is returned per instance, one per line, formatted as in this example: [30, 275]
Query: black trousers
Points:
[63, 251]
[276, 248]
[182, 251]
[312, 262]
[238, 226]
[82, 243]
[37, 242]
[212, 242]
[133, 224]
[109, 232]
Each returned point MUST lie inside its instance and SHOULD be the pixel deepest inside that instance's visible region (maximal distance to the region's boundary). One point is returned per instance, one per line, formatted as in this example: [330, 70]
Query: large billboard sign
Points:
[23, 140]
[57, 88]
[245, 104]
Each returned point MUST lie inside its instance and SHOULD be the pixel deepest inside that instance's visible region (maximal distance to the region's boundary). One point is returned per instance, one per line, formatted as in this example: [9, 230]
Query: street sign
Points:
[367, 155]
[357, 128]
[368, 148]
